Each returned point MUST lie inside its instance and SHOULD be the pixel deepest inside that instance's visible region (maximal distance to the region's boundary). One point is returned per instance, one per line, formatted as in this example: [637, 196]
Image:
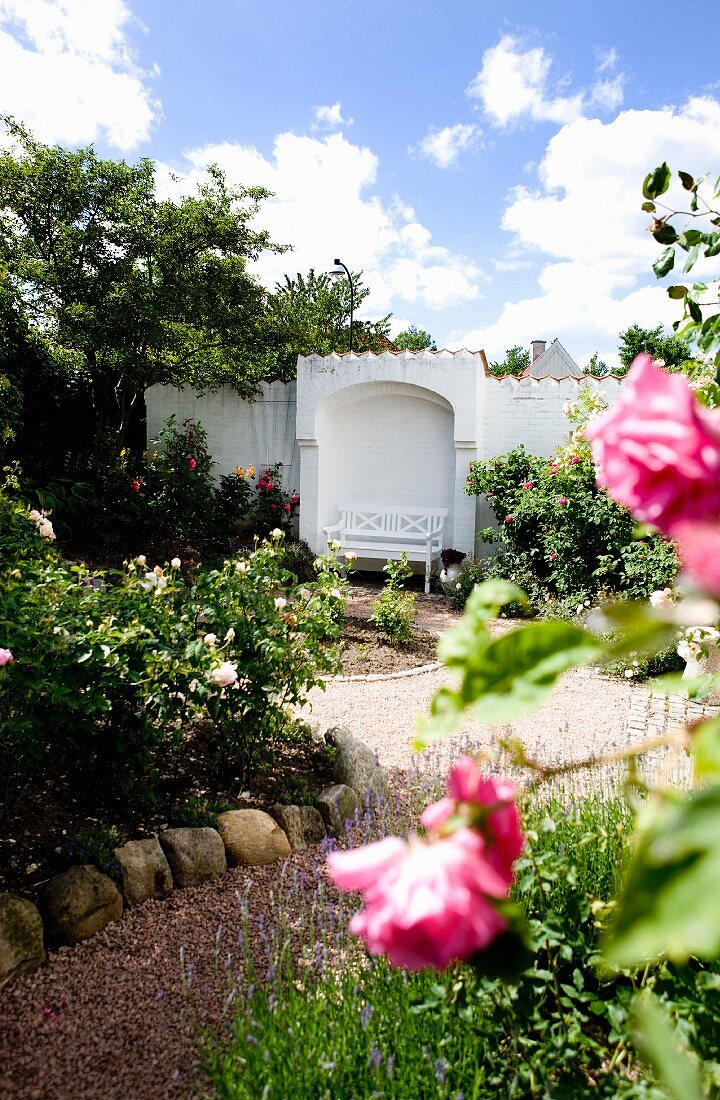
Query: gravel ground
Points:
[112, 1017]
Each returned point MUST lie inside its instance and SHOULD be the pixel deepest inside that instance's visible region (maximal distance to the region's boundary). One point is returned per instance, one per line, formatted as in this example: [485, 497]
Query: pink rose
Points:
[192, 463]
[424, 904]
[657, 450]
[553, 556]
[486, 803]
[508, 519]
[295, 498]
[6, 657]
[288, 508]
[575, 458]
[562, 500]
[699, 549]
[528, 484]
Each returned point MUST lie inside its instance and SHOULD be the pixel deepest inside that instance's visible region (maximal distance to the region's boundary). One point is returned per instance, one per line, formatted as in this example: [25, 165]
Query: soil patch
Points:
[365, 652]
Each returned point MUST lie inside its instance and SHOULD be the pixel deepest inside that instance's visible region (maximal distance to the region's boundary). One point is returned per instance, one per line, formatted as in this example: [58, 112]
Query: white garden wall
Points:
[240, 433]
[395, 429]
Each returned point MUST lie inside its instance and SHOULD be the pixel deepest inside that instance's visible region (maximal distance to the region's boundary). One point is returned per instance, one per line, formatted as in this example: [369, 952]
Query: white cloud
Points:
[68, 72]
[515, 83]
[326, 204]
[330, 118]
[607, 60]
[443, 147]
[583, 222]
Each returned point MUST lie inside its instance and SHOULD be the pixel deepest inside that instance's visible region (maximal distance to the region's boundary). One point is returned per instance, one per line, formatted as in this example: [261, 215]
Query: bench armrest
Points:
[435, 532]
[335, 527]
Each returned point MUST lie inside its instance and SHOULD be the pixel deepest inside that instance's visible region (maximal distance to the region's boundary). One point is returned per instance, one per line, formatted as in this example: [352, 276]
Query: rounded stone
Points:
[21, 937]
[337, 805]
[195, 855]
[252, 837]
[145, 871]
[302, 825]
[79, 903]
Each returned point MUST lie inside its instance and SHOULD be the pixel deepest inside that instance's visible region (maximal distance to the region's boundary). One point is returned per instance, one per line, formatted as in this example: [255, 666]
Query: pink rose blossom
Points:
[424, 904]
[699, 549]
[509, 519]
[6, 657]
[469, 791]
[287, 507]
[528, 484]
[562, 500]
[192, 463]
[657, 450]
[553, 556]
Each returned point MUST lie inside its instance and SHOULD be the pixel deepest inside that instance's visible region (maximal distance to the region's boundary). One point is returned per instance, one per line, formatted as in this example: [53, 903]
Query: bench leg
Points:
[427, 577]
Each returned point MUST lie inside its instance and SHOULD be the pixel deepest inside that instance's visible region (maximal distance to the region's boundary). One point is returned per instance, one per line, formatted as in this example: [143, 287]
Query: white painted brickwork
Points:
[392, 428]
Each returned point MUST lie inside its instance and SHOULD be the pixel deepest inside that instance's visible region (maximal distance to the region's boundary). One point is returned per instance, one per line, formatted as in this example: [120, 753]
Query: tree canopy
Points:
[516, 360]
[125, 289]
[311, 313]
[671, 349]
[414, 339]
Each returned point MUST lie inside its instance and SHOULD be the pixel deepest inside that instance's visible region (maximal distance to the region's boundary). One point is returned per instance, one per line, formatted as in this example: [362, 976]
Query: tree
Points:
[517, 359]
[311, 313]
[127, 290]
[634, 340]
[414, 339]
[597, 367]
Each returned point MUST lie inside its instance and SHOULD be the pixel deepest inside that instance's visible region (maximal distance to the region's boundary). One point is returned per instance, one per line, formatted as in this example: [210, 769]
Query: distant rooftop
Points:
[553, 362]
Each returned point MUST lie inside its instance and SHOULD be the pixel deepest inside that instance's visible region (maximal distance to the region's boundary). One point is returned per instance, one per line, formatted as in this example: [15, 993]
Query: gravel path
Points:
[111, 1018]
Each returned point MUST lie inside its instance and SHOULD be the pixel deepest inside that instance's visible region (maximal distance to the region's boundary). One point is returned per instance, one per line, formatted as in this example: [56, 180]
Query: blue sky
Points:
[481, 163]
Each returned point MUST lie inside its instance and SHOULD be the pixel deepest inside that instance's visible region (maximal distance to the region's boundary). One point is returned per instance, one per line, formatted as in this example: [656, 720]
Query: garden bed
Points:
[365, 652]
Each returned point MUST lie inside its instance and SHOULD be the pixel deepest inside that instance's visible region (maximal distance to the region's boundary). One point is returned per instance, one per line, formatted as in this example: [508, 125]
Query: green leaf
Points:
[713, 248]
[656, 182]
[687, 181]
[662, 1046]
[691, 258]
[668, 905]
[705, 748]
[665, 262]
[694, 311]
[677, 292]
[648, 207]
[690, 238]
[664, 233]
[516, 674]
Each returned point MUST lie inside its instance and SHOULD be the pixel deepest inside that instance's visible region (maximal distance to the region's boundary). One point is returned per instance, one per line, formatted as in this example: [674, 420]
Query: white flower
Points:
[193, 686]
[350, 555]
[336, 593]
[209, 639]
[45, 529]
[280, 602]
[225, 674]
[241, 567]
[141, 559]
[276, 533]
[662, 599]
[175, 563]
[35, 516]
[629, 673]
[158, 570]
[230, 634]
[334, 545]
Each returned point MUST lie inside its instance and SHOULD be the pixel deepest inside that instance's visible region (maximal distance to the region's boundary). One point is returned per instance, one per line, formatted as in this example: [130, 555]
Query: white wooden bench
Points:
[384, 531]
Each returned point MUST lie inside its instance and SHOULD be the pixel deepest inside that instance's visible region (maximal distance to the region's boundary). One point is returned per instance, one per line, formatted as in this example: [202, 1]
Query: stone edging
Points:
[82, 900]
[419, 670]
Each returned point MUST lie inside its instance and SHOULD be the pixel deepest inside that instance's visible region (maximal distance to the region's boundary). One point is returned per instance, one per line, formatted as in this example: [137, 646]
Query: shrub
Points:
[471, 573]
[274, 507]
[558, 533]
[393, 610]
[95, 845]
[234, 500]
[178, 484]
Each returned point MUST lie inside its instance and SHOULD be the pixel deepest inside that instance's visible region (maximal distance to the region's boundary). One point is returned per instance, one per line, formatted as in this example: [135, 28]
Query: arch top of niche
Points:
[447, 379]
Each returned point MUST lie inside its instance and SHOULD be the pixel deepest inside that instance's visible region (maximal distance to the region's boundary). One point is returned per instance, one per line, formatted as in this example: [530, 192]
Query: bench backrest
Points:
[402, 522]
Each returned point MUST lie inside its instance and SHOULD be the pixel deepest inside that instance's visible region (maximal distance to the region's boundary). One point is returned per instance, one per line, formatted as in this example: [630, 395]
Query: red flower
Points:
[562, 500]
[553, 556]
[192, 463]
[135, 485]
[274, 507]
[508, 519]
[295, 498]
[287, 508]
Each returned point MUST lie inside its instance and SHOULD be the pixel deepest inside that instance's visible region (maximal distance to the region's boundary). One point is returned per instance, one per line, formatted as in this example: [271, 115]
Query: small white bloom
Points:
[276, 533]
[176, 563]
[241, 567]
[151, 580]
[629, 673]
[280, 602]
[35, 516]
[192, 686]
[158, 570]
[225, 674]
[662, 599]
[350, 555]
[334, 545]
[45, 529]
[141, 559]
[336, 593]
[209, 639]
[105, 651]
[230, 634]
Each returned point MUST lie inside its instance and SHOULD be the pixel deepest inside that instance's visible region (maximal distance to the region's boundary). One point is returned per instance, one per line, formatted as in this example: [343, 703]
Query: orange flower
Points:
[239, 471]
[251, 471]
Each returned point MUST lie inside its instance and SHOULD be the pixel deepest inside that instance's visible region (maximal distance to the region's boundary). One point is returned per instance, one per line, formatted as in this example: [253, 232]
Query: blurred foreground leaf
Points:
[661, 1046]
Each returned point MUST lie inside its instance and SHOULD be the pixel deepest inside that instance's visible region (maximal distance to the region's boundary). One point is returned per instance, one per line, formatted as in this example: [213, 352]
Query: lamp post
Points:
[343, 270]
